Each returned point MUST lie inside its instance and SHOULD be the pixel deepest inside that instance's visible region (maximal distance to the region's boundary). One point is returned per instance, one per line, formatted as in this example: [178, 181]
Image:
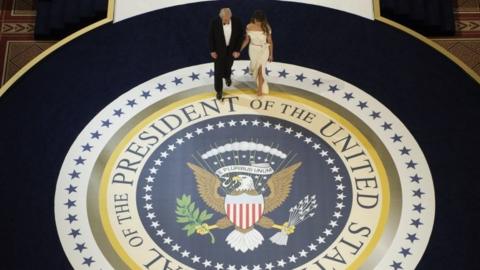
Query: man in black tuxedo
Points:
[225, 39]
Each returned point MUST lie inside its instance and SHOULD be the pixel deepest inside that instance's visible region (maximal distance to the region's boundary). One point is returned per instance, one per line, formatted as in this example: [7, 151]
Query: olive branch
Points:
[189, 214]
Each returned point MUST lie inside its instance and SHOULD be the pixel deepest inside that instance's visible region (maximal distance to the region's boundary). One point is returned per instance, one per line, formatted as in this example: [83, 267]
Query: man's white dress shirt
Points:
[227, 31]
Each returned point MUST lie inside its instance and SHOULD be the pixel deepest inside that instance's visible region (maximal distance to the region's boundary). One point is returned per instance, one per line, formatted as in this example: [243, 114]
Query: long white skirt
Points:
[258, 60]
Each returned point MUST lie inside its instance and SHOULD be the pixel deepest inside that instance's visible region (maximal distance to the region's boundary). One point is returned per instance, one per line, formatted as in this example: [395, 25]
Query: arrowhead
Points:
[474, 25]
[461, 25]
[7, 28]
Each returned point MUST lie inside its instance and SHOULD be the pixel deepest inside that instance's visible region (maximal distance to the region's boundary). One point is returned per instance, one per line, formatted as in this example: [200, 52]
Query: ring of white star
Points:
[220, 266]
[349, 99]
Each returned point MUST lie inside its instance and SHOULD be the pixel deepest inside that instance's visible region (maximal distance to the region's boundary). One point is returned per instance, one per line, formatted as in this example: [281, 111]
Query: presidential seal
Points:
[317, 175]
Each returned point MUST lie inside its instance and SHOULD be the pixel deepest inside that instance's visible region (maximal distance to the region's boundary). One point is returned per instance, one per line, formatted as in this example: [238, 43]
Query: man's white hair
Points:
[225, 11]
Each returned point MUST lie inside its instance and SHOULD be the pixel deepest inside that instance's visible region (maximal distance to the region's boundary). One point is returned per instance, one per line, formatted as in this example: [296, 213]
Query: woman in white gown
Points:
[260, 49]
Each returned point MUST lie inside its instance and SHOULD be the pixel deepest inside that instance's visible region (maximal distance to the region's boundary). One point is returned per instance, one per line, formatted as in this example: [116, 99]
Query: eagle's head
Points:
[246, 182]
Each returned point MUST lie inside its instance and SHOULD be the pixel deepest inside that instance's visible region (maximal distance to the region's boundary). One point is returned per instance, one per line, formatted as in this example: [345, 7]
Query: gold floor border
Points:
[378, 16]
[41, 56]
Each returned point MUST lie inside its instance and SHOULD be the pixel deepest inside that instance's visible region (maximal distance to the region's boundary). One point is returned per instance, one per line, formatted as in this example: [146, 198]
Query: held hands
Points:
[214, 55]
[236, 55]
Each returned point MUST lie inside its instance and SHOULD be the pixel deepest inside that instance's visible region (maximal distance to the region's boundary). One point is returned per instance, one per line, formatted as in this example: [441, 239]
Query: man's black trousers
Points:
[223, 69]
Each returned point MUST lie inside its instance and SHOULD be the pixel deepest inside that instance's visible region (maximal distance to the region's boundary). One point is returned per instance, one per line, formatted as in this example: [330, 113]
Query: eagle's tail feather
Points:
[244, 241]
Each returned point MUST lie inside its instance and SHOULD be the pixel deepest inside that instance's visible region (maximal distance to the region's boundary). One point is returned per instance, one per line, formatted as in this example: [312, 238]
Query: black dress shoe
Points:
[229, 81]
[219, 95]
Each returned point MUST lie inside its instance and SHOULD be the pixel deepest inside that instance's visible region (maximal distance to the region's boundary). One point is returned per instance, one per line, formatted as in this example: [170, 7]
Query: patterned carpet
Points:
[18, 47]
[466, 44]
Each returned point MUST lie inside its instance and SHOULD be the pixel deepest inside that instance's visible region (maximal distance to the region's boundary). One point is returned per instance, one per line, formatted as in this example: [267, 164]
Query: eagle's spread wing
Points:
[280, 185]
[207, 185]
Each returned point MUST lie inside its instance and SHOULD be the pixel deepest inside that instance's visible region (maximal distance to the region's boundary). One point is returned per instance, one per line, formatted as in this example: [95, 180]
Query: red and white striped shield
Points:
[244, 210]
